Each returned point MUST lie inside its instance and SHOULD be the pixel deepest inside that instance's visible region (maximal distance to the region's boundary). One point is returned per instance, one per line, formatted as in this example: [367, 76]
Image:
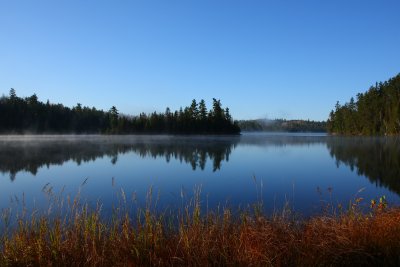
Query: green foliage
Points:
[376, 112]
[28, 115]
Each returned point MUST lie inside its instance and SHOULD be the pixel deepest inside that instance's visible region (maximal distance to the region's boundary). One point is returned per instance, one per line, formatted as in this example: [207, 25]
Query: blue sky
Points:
[263, 59]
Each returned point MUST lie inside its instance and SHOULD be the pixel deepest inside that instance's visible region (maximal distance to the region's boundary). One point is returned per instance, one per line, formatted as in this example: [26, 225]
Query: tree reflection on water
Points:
[377, 158]
[30, 154]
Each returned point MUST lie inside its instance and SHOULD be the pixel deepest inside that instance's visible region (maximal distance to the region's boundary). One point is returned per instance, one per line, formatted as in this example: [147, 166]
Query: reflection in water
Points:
[24, 153]
[278, 160]
[283, 139]
[30, 154]
[377, 158]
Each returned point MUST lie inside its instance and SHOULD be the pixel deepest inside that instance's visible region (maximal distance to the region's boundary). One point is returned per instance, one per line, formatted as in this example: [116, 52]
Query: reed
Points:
[72, 233]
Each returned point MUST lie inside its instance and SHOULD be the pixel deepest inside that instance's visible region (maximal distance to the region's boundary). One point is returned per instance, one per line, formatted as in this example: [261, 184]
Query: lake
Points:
[307, 171]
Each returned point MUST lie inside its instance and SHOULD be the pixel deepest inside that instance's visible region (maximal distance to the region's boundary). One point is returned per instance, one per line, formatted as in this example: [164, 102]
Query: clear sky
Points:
[263, 59]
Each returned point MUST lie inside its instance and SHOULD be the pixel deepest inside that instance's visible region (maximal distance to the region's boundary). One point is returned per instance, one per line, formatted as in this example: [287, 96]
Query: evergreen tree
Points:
[13, 94]
[376, 112]
[113, 119]
[29, 114]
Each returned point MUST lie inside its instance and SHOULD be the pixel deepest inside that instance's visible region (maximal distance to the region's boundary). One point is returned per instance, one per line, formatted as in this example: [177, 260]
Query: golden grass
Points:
[81, 237]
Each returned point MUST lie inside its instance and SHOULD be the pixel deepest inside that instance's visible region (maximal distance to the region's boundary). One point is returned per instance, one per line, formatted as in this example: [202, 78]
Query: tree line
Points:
[29, 115]
[282, 125]
[375, 112]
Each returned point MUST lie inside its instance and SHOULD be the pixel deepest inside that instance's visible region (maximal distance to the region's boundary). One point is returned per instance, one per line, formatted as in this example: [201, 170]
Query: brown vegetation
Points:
[80, 237]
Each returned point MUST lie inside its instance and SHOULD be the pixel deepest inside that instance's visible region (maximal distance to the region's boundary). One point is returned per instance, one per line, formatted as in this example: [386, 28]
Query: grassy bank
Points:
[75, 235]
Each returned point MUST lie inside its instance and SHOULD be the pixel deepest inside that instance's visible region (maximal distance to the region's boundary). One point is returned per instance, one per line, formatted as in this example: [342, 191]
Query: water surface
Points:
[307, 170]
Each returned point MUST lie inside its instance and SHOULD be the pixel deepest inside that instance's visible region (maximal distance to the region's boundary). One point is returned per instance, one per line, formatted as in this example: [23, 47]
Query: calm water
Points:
[306, 170]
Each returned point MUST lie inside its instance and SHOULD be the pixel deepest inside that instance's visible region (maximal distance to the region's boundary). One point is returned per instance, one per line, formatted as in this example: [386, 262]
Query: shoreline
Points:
[80, 236]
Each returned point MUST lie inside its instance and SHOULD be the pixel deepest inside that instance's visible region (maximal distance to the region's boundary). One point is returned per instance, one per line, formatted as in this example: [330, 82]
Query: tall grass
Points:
[72, 233]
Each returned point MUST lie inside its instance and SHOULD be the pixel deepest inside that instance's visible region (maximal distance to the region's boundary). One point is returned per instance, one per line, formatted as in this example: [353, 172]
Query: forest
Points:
[29, 115]
[375, 112]
[282, 125]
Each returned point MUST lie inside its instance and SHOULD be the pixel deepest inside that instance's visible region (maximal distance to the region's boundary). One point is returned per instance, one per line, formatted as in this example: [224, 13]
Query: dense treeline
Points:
[29, 115]
[282, 125]
[375, 112]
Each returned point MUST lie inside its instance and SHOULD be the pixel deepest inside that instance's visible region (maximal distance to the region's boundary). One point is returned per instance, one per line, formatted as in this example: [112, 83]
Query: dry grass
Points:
[79, 236]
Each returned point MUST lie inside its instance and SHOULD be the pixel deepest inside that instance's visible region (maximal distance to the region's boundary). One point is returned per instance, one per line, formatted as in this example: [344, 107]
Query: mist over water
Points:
[306, 170]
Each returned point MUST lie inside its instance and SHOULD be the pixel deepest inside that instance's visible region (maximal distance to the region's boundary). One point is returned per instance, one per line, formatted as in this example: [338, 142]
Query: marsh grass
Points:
[72, 233]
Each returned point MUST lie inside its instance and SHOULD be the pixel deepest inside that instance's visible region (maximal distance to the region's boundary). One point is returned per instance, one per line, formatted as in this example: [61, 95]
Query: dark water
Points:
[308, 171]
